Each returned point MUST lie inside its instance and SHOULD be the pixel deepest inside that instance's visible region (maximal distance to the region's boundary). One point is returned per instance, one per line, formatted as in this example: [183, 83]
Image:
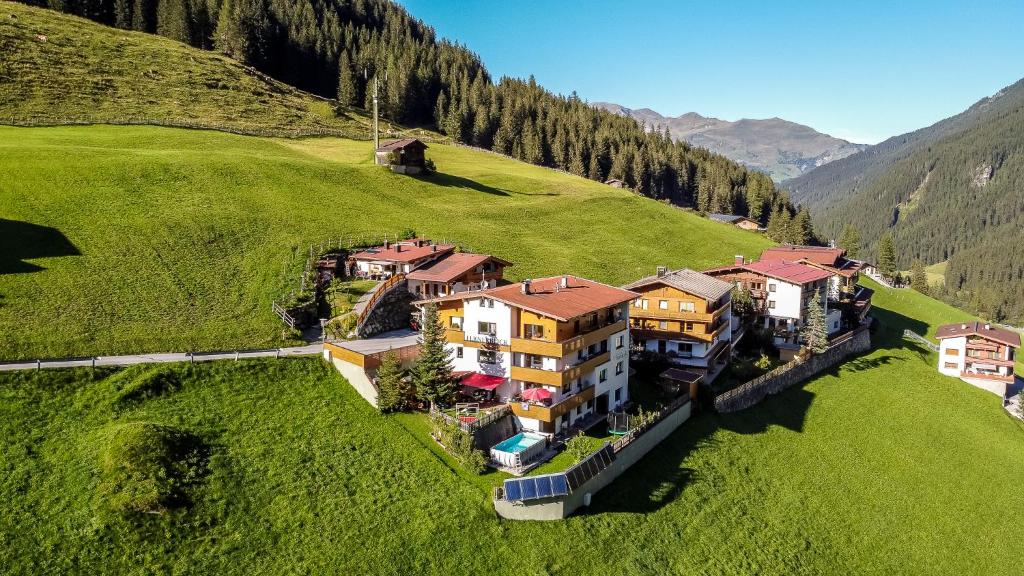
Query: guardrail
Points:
[157, 358]
[917, 337]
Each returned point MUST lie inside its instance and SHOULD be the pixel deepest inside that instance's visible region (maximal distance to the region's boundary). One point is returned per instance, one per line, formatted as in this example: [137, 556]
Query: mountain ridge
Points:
[781, 148]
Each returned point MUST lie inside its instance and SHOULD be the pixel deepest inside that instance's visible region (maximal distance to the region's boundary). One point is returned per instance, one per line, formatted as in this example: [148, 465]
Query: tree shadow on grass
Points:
[21, 241]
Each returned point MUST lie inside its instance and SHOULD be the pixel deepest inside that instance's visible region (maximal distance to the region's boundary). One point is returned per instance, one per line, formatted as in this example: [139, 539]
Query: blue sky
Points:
[863, 71]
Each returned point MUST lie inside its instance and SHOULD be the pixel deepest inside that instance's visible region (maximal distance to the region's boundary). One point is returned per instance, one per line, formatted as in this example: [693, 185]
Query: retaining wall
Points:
[562, 507]
[391, 312]
[495, 432]
[755, 391]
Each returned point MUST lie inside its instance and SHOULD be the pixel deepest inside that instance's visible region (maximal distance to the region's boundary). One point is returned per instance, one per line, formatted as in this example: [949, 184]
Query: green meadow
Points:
[878, 467]
[144, 239]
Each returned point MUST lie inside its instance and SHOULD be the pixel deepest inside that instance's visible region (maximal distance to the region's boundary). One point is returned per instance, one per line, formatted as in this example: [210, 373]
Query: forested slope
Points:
[335, 47]
[953, 191]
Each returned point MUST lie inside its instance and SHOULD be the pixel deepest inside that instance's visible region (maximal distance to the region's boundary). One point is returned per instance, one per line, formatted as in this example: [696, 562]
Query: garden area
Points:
[340, 299]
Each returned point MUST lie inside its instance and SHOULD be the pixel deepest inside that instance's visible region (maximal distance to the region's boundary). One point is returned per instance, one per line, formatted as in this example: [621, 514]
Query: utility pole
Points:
[376, 133]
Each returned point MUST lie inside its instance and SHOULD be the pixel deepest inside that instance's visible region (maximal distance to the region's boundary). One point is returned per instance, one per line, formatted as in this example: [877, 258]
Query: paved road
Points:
[309, 350]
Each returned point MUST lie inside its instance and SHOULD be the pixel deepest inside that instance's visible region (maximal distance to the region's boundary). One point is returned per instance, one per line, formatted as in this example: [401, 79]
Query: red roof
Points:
[980, 329]
[406, 251]
[792, 272]
[452, 267]
[817, 254]
[548, 298]
[482, 381]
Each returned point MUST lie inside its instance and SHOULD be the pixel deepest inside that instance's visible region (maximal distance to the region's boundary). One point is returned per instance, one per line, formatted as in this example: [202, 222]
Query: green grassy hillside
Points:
[99, 74]
[879, 467]
[153, 239]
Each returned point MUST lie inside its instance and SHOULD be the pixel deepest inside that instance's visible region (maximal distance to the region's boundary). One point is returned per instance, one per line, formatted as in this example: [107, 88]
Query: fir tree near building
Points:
[849, 240]
[918, 277]
[433, 374]
[887, 256]
[816, 332]
[394, 391]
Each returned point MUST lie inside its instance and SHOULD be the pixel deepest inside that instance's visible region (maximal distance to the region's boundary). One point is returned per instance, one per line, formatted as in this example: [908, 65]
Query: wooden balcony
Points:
[454, 336]
[556, 377]
[560, 349]
[550, 414]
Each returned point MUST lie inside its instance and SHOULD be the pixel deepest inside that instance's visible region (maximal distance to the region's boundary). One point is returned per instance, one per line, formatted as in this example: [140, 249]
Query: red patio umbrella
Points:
[536, 394]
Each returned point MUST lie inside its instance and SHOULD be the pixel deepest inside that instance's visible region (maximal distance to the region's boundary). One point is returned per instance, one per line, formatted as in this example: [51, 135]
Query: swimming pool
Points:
[519, 449]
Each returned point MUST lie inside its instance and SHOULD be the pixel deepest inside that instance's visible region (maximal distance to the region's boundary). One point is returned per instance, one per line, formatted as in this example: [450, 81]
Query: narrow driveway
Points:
[128, 360]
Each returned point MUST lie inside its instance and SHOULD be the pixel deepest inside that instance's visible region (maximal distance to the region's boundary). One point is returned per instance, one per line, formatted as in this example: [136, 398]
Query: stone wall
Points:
[797, 371]
[501, 429]
[391, 312]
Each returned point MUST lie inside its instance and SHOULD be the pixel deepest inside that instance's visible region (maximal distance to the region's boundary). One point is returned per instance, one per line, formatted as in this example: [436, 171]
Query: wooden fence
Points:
[918, 338]
[470, 427]
[378, 293]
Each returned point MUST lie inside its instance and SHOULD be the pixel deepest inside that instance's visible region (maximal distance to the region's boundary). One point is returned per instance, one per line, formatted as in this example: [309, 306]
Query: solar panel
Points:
[512, 490]
[559, 485]
[543, 486]
[529, 488]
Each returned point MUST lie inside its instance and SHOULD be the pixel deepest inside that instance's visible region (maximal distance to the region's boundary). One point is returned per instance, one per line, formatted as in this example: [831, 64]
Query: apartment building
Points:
[556, 349]
[685, 315]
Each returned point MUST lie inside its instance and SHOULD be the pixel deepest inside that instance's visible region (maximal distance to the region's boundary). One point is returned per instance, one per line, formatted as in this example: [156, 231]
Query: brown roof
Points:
[689, 281]
[452, 267]
[976, 328]
[793, 272]
[400, 144]
[407, 251]
[547, 297]
[816, 254]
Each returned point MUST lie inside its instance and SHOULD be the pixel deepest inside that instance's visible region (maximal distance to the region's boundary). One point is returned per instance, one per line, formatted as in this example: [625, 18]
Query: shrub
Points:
[459, 444]
[394, 391]
[763, 363]
[148, 468]
[578, 447]
[429, 167]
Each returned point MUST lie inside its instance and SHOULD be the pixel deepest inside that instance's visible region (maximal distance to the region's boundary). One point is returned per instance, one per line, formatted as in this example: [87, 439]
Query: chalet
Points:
[405, 156]
[395, 258]
[978, 354]
[556, 349]
[738, 221]
[456, 272]
[615, 183]
[843, 288]
[782, 292]
[685, 315]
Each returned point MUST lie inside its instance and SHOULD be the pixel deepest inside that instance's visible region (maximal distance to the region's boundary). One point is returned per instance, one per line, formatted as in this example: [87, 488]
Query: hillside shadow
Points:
[453, 181]
[21, 241]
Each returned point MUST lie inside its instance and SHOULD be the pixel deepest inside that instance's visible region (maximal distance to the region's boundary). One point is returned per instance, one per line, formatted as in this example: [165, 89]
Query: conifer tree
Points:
[887, 256]
[802, 230]
[433, 374]
[393, 390]
[849, 240]
[918, 277]
[816, 331]
[123, 14]
[172, 20]
[348, 94]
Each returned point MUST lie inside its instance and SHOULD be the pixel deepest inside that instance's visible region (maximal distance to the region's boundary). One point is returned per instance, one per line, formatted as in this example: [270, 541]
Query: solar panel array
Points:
[536, 487]
[587, 469]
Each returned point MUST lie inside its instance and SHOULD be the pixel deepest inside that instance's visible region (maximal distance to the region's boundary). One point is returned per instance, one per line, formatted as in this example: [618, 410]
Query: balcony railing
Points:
[551, 413]
[562, 377]
[557, 349]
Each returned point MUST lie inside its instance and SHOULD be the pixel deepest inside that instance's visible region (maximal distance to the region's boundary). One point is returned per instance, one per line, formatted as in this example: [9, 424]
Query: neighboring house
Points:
[615, 183]
[565, 335]
[456, 272]
[395, 258]
[978, 353]
[844, 288]
[739, 221]
[684, 315]
[781, 292]
[359, 360]
[405, 156]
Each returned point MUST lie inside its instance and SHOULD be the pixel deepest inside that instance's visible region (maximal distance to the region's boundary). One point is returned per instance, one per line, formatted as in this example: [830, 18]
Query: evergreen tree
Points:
[849, 240]
[172, 20]
[123, 14]
[816, 331]
[348, 93]
[886, 256]
[801, 230]
[433, 374]
[393, 391]
[918, 277]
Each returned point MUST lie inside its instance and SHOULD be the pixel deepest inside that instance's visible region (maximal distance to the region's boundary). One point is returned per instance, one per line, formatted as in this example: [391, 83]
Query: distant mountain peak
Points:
[779, 147]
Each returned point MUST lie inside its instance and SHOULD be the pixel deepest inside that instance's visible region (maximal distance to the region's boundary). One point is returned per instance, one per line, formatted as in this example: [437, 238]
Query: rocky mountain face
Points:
[780, 148]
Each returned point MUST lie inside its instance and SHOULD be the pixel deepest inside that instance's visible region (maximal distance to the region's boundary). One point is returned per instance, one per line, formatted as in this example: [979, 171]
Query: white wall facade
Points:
[953, 351]
[788, 299]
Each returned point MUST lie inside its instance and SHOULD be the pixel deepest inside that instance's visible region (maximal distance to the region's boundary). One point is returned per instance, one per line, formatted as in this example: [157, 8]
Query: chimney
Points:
[662, 270]
[433, 247]
[565, 281]
[526, 286]
[398, 247]
[386, 244]
[988, 326]
[738, 259]
[963, 326]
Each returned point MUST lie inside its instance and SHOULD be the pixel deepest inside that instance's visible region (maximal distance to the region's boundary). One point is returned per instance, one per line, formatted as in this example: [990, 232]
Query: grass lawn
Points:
[132, 239]
[879, 467]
